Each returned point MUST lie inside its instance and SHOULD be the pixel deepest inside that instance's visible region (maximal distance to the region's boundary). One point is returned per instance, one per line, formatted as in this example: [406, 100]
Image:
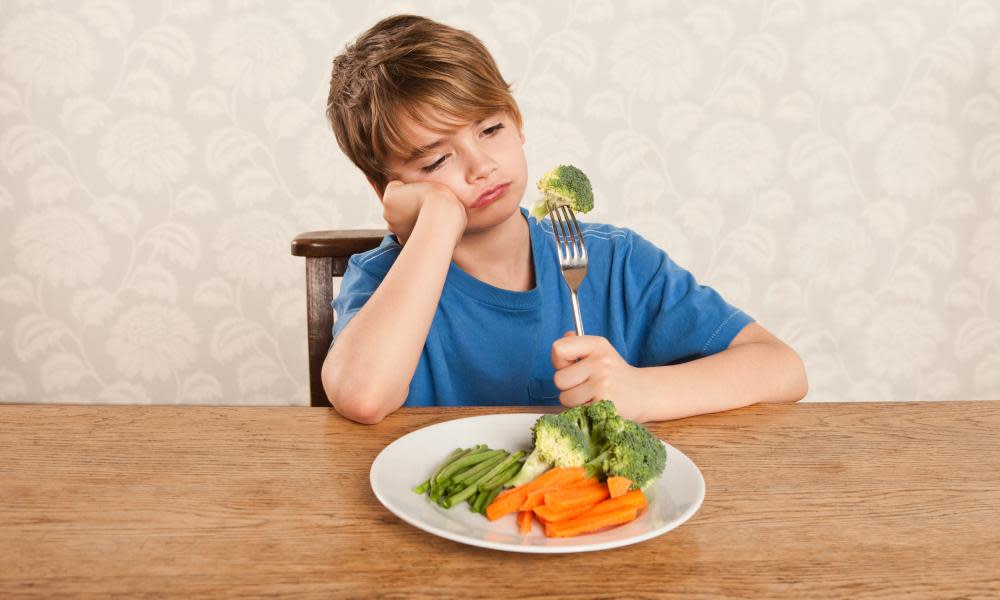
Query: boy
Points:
[465, 304]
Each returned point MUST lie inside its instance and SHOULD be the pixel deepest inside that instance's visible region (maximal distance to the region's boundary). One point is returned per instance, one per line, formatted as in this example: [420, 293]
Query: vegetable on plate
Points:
[586, 472]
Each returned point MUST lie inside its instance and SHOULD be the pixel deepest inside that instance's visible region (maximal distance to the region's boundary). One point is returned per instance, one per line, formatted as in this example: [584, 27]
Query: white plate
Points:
[671, 499]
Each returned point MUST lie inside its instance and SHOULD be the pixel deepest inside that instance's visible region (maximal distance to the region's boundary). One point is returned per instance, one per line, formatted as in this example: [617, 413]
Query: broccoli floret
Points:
[600, 412]
[557, 441]
[628, 450]
[596, 416]
[594, 436]
[564, 184]
[580, 417]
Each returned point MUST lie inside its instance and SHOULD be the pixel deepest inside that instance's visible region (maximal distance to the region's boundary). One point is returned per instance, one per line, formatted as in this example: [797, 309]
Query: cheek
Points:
[513, 147]
[455, 181]
[451, 178]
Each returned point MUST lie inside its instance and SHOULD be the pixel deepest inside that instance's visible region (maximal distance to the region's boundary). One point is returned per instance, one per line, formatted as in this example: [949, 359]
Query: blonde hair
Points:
[407, 66]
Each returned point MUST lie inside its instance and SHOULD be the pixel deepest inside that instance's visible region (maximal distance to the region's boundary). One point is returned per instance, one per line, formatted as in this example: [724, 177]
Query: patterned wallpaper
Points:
[832, 167]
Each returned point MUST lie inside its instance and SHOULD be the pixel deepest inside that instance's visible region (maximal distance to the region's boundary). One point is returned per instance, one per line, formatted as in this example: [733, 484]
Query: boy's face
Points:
[482, 163]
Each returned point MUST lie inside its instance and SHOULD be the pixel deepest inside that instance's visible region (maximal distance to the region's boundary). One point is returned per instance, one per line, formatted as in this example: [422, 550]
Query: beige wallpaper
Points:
[832, 167]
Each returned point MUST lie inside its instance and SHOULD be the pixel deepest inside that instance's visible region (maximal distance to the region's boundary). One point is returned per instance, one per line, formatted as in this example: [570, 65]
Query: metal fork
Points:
[572, 253]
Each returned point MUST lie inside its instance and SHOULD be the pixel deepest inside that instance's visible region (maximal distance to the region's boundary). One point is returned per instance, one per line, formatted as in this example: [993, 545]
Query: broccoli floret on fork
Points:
[564, 184]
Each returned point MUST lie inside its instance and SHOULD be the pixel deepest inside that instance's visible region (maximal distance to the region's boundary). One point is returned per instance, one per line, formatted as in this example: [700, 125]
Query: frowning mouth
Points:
[487, 197]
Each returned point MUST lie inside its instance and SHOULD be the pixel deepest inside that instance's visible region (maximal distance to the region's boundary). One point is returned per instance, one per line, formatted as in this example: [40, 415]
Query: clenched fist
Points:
[588, 369]
[404, 203]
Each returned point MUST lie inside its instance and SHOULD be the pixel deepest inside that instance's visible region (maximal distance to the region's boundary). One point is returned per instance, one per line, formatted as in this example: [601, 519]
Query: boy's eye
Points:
[489, 131]
[434, 165]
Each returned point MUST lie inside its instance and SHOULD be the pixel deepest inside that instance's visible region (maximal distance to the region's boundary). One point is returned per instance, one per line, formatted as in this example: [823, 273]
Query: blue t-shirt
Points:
[490, 346]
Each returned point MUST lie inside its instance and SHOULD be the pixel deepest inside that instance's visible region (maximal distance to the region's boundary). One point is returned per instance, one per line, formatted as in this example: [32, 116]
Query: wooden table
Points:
[828, 500]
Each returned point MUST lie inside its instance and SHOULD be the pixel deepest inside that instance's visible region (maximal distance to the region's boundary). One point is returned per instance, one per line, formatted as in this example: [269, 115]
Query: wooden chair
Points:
[326, 254]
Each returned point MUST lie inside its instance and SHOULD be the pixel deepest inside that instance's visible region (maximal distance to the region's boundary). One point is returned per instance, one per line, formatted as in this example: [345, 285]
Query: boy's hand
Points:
[402, 203]
[588, 368]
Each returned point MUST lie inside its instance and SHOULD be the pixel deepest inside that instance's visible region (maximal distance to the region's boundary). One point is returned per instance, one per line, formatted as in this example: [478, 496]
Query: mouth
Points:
[490, 195]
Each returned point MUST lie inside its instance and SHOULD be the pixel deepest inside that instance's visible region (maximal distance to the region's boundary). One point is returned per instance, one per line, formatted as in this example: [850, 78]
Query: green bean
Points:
[490, 496]
[499, 468]
[472, 458]
[480, 468]
[498, 480]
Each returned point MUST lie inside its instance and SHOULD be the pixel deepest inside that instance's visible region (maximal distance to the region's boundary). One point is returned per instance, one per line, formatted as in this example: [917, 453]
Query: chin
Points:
[495, 214]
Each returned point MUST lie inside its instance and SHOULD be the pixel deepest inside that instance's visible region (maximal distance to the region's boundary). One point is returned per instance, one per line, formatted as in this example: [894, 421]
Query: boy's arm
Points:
[756, 367]
[367, 373]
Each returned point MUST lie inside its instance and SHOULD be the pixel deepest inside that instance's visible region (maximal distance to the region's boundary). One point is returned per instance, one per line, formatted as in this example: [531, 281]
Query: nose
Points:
[481, 165]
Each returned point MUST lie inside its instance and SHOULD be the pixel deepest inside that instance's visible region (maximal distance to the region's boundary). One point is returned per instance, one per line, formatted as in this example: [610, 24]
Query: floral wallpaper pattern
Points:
[831, 166]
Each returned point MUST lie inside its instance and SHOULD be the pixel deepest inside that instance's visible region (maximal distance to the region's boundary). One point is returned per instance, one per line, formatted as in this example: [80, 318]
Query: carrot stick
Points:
[634, 499]
[567, 498]
[567, 479]
[511, 500]
[555, 476]
[618, 485]
[524, 519]
[584, 524]
[537, 497]
[546, 514]
[563, 477]
[509, 491]
[505, 503]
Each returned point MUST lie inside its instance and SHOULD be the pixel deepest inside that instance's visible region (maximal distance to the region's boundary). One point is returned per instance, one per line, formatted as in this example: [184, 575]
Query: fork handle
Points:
[576, 312]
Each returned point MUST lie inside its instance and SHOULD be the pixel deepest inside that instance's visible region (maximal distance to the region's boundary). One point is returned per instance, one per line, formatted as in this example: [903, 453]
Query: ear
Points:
[521, 134]
[378, 190]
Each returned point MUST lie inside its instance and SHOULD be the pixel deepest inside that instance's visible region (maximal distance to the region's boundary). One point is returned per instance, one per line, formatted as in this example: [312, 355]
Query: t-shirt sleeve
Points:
[671, 316]
[356, 287]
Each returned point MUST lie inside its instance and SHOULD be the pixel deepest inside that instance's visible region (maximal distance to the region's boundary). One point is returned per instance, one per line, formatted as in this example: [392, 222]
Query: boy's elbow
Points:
[359, 411]
[789, 381]
[361, 406]
[798, 380]
[353, 399]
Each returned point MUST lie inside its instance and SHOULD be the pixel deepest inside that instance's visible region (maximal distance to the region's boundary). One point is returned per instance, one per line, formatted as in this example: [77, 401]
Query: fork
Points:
[571, 251]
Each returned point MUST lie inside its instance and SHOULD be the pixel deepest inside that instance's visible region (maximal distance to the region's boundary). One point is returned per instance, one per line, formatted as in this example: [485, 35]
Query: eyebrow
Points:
[422, 150]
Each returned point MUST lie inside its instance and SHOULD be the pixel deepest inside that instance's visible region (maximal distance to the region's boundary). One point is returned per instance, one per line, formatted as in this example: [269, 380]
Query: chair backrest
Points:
[326, 254]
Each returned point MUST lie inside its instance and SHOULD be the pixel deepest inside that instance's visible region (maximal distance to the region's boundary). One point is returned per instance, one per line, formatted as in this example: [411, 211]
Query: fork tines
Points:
[568, 233]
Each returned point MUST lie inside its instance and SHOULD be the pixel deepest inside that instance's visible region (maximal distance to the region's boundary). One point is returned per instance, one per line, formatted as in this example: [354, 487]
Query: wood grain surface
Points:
[854, 500]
